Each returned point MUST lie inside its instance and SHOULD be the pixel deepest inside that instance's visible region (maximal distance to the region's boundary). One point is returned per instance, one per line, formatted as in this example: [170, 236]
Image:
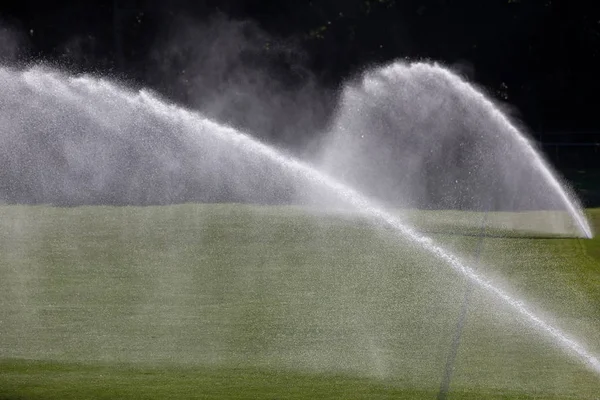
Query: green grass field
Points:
[237, 301]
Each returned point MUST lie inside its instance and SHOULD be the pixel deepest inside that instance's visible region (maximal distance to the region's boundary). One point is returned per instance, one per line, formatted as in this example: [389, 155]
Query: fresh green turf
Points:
[232, 301]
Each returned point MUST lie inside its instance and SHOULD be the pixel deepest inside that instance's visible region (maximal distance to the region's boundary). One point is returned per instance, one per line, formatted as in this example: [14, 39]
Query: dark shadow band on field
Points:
[35, 379]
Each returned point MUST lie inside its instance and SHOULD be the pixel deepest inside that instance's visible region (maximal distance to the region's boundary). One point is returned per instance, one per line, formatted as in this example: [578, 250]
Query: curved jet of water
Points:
[416, 128]
[495, 114]
[199, 124]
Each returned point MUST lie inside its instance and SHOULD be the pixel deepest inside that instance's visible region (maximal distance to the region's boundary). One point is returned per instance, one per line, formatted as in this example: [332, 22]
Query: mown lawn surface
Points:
[235, 301]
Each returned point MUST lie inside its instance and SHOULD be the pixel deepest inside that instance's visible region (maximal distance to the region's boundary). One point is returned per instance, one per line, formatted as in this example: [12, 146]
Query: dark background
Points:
[540, 57]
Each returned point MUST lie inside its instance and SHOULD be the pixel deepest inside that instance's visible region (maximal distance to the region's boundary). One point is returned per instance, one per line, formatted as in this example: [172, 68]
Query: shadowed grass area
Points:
[234, 301]
[43, 380]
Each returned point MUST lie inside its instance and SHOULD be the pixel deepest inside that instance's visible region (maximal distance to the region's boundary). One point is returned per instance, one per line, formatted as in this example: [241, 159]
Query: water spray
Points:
[366, 206]
[200, 127]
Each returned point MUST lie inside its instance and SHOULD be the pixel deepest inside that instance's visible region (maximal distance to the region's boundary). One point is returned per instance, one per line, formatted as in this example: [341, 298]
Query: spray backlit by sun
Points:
[70, 106]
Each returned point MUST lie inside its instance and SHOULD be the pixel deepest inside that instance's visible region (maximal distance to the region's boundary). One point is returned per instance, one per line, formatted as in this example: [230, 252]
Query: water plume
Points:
[418, 136]
[219, 149]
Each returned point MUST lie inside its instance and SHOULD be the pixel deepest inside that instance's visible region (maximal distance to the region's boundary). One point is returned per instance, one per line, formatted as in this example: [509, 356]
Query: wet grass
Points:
[232, 301]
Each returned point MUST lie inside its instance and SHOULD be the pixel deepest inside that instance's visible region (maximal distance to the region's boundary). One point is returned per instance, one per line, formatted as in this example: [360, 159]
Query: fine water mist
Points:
[82, 140]
[77, 141]
[418, 136]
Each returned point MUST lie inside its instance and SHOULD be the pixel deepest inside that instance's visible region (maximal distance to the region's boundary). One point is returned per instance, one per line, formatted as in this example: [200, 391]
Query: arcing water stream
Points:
[81, 92]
